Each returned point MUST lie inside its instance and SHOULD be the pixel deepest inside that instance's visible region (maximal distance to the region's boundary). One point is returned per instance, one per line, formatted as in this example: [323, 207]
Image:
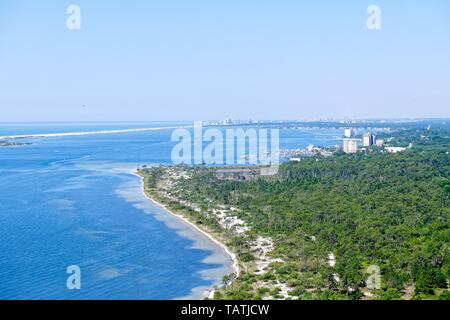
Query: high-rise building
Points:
[350, 145]
[367, 140]
[348, 133]
[374, 139]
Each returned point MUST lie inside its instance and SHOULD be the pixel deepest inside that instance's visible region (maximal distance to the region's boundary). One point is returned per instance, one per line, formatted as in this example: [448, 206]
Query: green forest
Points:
[369, 208]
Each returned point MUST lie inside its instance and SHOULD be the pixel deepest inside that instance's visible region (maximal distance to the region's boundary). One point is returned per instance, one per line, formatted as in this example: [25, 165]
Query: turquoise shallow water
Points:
[72, 201]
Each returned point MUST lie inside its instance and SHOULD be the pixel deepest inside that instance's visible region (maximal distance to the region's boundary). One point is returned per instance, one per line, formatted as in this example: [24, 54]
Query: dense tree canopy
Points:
[369, 208]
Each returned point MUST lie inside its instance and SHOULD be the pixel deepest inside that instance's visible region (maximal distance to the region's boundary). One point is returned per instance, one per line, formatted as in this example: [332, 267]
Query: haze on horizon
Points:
[200, 59]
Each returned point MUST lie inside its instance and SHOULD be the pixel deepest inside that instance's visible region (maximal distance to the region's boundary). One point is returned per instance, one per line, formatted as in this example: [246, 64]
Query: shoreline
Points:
[83, 133]
[235, 266]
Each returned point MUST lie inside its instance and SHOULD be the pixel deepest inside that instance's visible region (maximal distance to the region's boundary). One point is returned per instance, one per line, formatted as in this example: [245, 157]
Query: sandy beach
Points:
[236, 270]
[83, 133]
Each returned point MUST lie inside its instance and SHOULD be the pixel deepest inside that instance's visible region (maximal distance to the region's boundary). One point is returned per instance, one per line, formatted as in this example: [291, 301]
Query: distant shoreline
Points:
[83, 133]
[236, 270]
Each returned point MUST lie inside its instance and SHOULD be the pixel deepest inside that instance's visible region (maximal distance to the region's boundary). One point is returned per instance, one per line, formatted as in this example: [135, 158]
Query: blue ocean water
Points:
[73, 201]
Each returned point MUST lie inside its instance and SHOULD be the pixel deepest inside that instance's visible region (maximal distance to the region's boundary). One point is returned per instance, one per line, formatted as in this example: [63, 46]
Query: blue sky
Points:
[211, 59]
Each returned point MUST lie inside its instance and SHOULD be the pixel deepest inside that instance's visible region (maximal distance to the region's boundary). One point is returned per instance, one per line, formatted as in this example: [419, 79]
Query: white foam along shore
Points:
[236, 269]
[70, 134]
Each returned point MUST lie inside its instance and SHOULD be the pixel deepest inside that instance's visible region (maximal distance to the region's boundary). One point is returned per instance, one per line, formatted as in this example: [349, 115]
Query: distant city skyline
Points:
[211, 60]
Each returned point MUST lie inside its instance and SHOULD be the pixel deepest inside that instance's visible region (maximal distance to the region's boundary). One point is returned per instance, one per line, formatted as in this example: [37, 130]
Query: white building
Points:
[350, 145]
[379, 142]
[367, 140]
[348, 133]
[394, 149]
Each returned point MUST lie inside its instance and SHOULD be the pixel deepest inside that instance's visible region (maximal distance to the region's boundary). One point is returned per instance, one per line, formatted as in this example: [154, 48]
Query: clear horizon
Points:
[242, 119]
[175, 61]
